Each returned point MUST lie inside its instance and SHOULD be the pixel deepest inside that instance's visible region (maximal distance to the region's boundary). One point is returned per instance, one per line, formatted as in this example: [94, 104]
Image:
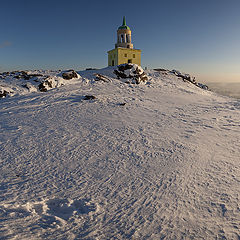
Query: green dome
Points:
[124, 25]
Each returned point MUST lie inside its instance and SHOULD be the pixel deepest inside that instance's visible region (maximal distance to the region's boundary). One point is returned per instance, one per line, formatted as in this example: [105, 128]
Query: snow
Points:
[22, 82]
[163, 166]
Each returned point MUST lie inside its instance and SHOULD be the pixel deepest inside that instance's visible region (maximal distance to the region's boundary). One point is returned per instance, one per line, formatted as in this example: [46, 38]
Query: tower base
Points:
[119, 56]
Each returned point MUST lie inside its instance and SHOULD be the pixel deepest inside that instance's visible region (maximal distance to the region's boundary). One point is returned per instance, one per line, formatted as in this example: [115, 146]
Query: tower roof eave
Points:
[124, 27]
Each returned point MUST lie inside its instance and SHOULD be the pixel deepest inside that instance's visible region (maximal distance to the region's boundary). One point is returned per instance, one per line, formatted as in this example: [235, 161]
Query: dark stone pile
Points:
[70, 74]
[131, 73]
[33, 81]
[19, 75]
[43, 86]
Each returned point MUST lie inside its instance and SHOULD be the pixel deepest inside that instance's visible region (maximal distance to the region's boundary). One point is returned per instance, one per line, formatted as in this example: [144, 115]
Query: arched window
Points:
[122, 38]
[119, 38]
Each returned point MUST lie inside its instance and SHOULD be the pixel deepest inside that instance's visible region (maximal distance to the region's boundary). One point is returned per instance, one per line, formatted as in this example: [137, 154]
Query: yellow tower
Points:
[124, 52]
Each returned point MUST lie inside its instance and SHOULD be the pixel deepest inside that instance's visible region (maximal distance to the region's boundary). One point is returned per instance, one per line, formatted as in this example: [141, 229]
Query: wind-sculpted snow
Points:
[158, 160]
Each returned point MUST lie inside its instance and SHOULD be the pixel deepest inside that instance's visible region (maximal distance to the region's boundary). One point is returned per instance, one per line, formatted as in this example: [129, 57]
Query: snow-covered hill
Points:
[99, 158]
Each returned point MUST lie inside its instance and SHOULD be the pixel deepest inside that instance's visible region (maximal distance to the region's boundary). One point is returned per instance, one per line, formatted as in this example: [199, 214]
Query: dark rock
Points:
[24, 73]
[3, 94]
[42, 86]
[21, 74]
[120, 74]
[124, 67]
[203, 86]
[69, 75]
[26, 77]
[160, 70]
[91, 69]
[135, 75]
[49, 83]
[122, 104]
[35, 75]
[100, 77]
[89, 97]
[143, 77]
[26, 86]
[188, 78]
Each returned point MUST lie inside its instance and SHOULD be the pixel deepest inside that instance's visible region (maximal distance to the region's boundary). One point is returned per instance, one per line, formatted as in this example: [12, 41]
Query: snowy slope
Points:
[158, 160]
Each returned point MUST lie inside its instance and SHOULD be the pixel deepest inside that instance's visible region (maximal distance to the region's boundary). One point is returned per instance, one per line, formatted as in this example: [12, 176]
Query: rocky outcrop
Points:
[203, 86]
[22, 82]
[100, 77]
[189, 78]
[131, 73]
[3, 94]
[44, 86]
[70, 74]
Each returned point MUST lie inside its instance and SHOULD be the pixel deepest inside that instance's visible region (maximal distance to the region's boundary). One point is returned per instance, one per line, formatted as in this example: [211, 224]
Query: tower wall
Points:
[119, 56]
[113, 57]
[126, 55]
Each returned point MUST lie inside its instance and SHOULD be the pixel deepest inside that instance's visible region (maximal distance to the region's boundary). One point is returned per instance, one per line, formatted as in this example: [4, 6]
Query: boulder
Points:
[69, 75]
[89, 97]
[3, 93]
[203, 86]
[100, 77]
[131, 72]
[44, 86]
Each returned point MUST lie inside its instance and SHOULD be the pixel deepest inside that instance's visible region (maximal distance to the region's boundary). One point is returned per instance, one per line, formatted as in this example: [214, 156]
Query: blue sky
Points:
[197, 37]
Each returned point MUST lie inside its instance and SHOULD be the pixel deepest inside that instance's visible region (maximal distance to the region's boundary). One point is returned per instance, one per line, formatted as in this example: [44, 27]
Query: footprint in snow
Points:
[62, 208]
[49, 213]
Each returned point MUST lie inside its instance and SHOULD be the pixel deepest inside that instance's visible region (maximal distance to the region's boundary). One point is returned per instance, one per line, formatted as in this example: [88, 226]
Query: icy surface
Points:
[151, 161]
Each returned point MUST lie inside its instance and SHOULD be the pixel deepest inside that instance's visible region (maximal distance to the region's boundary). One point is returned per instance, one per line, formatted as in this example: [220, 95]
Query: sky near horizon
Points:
[198, 37]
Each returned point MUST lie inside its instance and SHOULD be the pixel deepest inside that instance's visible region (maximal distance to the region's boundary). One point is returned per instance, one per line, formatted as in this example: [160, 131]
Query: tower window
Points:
[129, 60]
[125, 55]
[134, 56]
[122, 39]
